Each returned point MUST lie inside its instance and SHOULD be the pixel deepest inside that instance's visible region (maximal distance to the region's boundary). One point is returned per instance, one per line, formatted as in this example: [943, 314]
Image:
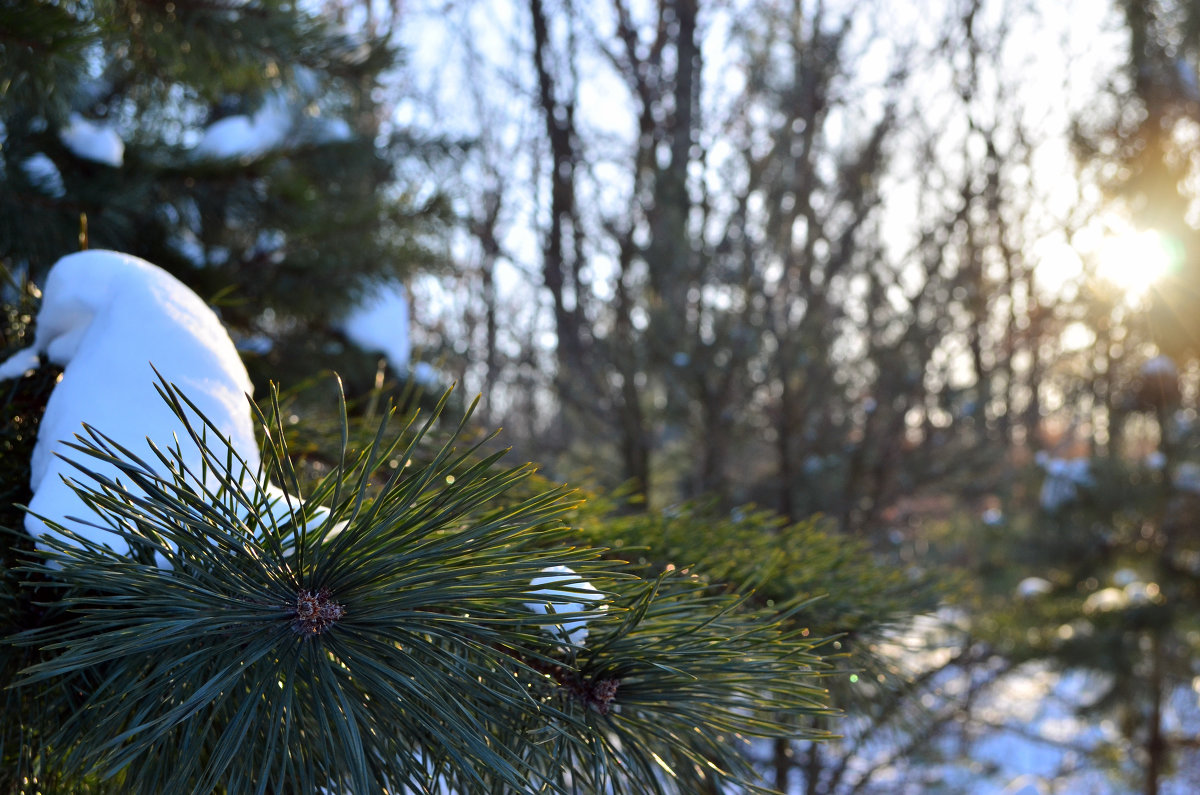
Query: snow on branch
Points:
[110, 320]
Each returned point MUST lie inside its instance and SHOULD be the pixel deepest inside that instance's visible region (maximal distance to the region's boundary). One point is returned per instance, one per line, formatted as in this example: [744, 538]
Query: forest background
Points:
[920, 279]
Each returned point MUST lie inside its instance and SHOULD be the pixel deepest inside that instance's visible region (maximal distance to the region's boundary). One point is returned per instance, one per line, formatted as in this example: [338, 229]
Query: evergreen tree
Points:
[1107, 582]
[1145, 153]
[1112, 553]
[240, 146]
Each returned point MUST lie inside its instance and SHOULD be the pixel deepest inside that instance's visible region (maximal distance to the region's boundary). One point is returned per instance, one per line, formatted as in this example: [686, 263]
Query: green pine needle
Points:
[376, 635]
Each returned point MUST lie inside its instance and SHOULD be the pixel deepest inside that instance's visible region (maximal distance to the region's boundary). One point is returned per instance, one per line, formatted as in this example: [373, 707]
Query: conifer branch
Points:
[377, 635]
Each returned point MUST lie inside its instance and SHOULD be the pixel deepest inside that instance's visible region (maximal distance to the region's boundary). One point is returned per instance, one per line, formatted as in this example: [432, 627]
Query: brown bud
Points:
[315, 612]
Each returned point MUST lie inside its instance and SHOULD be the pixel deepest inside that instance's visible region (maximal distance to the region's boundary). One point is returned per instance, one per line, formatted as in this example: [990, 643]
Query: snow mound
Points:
[106, 318]
[92, 141]
[380, 324]
[583, 592]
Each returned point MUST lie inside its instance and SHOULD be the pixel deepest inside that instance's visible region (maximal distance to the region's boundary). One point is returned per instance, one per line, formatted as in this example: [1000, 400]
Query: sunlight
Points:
[1135, 260]
[1058, 265]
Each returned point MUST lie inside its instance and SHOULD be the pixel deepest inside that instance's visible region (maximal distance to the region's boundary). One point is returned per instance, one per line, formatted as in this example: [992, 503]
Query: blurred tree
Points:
[1143, 146]
[848, 597]
[239, 146]
[729, 316]
[1110, 586]
[1120, 550]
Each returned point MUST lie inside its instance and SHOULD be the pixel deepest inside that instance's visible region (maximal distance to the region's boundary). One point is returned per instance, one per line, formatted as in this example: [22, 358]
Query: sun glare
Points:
[1134, 261]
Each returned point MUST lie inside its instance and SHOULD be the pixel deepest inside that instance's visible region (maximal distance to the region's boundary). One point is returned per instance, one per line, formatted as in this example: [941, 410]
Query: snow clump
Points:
[246, 137]
[94, 142]
[583, 592]
[380, 324]
[45, 176]
[106, 318]
[1106, 600]
[1032, 587]
[993, 517]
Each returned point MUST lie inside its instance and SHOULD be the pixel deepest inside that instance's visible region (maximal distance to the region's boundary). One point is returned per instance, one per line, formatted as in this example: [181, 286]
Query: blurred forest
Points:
[929, 271]
[897, 293]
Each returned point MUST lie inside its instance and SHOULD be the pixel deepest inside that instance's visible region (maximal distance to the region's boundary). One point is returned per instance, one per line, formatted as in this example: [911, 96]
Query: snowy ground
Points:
[1013, 732]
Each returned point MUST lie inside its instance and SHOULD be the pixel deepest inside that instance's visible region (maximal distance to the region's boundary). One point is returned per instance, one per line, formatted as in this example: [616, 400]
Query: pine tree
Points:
[236, 145]
[1114, 548]
[1106, 582]
[401, 627]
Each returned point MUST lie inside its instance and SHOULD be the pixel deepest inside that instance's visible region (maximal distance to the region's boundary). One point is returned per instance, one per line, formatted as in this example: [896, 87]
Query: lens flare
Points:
[1135, 261]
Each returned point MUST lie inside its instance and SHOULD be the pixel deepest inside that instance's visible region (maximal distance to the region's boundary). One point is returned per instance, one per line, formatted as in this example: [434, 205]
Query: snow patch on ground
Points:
[1021, 731]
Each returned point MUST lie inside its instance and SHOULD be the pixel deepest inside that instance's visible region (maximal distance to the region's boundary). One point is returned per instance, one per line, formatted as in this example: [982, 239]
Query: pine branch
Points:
[377, 635]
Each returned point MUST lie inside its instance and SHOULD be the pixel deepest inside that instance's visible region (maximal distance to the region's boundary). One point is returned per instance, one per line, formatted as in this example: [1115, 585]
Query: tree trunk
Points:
[1155, 743]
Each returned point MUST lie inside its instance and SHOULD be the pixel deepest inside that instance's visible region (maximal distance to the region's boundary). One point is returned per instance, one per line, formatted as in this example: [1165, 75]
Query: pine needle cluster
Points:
[374, 635]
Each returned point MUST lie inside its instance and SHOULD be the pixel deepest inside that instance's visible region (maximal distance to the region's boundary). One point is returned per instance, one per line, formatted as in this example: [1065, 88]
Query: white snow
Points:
[92, 141]
[330, 130]
[1021, 729]
[379, 324]
[583, 592]
[1105, 600]
[1032, 587]
[188, 245]
[270, 246]
[1123, 577]
[44, 175]
[1064, 476]
[106, 317]
[246, 136]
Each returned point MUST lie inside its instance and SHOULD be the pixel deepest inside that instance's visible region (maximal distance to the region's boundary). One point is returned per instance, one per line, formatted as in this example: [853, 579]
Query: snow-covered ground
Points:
[998, 731]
